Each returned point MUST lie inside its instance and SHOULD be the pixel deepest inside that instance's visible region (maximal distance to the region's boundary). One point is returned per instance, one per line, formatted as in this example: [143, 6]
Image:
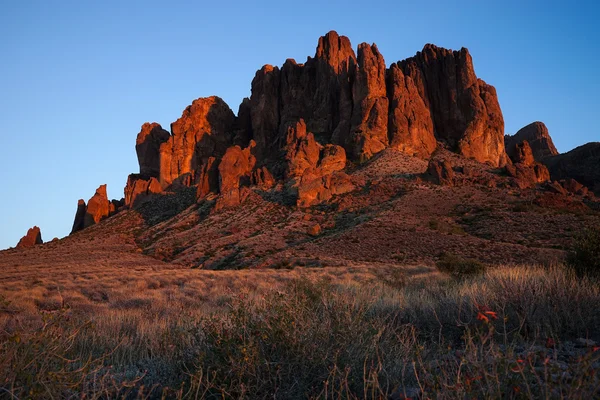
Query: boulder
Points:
[313, 188]
[440, 172]
[521, 153]
[33, 237]
[538, 137]
[138, 188]
[574, 187]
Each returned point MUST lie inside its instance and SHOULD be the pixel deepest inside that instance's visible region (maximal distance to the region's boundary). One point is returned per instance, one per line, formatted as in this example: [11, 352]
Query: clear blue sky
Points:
[78, 78]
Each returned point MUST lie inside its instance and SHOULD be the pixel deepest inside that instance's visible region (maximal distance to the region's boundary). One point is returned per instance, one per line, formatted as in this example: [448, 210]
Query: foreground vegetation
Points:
[507, 332]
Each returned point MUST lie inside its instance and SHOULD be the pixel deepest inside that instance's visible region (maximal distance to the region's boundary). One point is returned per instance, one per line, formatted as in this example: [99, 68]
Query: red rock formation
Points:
[521, 153]
[369, 132]
[314, 188]
[33, 237]
[440, 172]
[262, 178]
[204, 130]
[138, 188]
[465, 110]
[79, 222]
[264, 112]
[147, 147]
[235, 171]
[410, 126]
[98, 207]
[302, 151]
[526, 176]
[208, 179]
[538, 137]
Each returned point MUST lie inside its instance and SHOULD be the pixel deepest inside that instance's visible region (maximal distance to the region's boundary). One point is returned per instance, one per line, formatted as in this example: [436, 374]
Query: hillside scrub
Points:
[508, 332]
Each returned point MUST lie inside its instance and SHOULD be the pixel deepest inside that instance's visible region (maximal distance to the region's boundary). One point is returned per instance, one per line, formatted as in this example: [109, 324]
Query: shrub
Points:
[584, 258]
[459, 267]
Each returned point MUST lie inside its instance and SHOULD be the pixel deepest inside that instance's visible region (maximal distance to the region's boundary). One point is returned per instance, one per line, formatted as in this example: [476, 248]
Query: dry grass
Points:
[364, 332]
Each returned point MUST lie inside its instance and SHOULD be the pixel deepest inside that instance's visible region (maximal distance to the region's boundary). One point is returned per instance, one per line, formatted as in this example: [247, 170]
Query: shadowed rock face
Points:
[538, 137]
[581, 164]
[33, 237]
[147, 146]
[464, 109]
[79, 222]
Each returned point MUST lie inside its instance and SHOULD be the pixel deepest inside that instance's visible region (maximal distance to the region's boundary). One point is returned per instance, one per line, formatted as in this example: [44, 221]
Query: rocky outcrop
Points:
[521, 153]
[525, 170]
[538, 137]
[410, 127]
[464, 109]
[204, 130]
[235, 172]
[138, 188]
[573, 187]
[527, 176]
[440, 172]
[302, 151]
[33, 237]
[79, 222]
[98, 208]
[369, 132]
[581, 164]
[147, 147]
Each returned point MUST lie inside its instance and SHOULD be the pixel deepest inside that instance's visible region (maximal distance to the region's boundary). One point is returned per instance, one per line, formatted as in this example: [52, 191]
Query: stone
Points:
[574, 187]
[410, 127]
[262, 178]
[32, 238]
[314, 230]
[147, 148]
[465, 110]
[235, 172]
[98, 207]
[440, 172]
[302, 151]
[538, 137]
[521, 153]
[137, 189]
[313, 188]
[204, 130]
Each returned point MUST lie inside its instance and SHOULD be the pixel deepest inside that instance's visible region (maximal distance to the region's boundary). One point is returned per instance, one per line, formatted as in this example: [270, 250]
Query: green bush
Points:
[584, 258]
[459, 267]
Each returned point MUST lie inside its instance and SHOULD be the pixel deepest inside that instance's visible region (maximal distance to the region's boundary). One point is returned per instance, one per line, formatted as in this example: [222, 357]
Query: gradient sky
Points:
[78, 78]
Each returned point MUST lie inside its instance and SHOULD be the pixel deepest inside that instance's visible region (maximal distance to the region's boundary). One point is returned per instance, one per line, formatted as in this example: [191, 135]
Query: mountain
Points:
[346, 160]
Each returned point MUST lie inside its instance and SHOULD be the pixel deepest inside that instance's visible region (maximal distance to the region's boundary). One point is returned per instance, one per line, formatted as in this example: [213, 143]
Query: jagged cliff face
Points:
[304, 122]
[337, 98]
